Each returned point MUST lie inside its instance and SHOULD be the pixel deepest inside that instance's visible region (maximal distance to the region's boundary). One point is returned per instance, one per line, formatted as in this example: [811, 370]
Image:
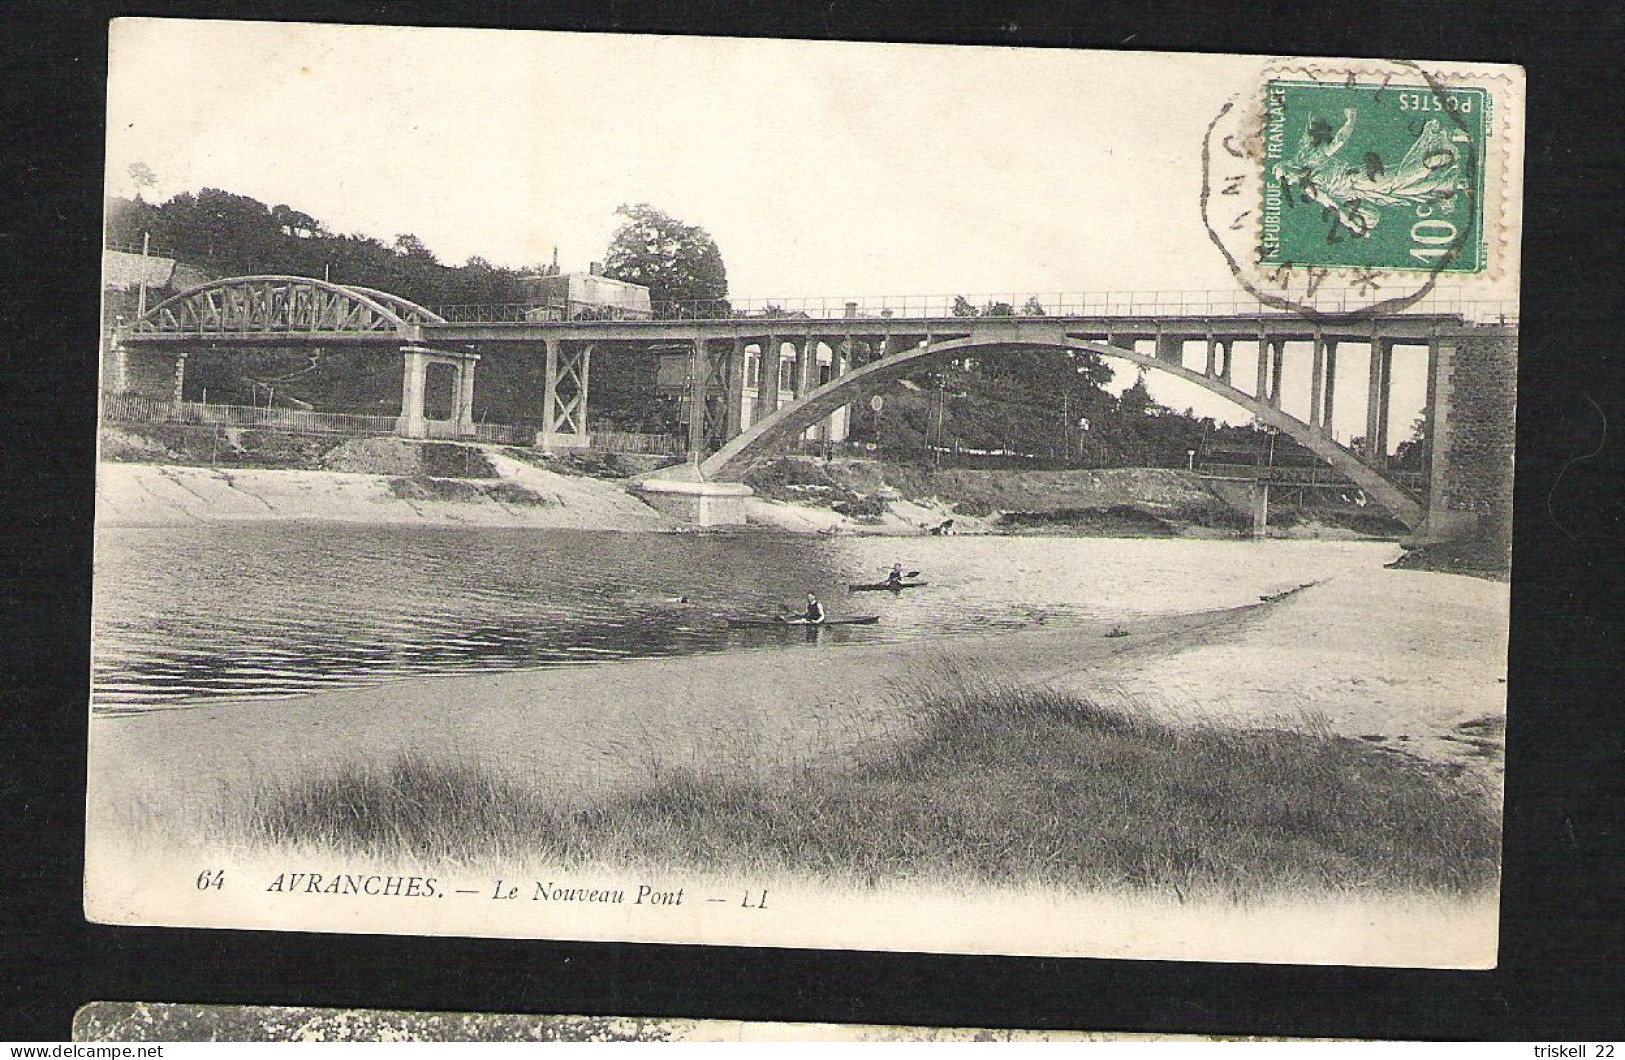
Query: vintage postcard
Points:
[776, 493]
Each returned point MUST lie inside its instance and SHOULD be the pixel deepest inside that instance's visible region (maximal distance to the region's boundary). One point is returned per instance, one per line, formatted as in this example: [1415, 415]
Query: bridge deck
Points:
[1284, 326]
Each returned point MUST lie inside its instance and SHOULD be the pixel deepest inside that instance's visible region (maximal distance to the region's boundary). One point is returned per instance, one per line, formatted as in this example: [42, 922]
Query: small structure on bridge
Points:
[586, 295]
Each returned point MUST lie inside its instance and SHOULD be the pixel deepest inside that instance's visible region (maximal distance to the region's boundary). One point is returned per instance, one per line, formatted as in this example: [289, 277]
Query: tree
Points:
[678, 262]
[142, 177]
[1409, 454]
[294, 223]
[410, 246]
[1136, 400]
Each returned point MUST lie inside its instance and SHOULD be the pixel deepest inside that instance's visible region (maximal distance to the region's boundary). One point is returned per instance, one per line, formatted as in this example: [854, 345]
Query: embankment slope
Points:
[519, 496]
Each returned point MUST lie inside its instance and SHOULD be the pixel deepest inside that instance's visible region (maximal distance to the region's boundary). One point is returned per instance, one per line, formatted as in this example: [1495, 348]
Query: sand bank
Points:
[156, 495]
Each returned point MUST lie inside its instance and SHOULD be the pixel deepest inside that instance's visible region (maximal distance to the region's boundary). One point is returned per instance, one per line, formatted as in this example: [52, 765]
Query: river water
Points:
[188, 615]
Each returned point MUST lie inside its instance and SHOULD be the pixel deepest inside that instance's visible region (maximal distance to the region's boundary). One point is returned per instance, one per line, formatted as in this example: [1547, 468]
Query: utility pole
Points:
[141, 299]
[942, 404]
[1066, 422]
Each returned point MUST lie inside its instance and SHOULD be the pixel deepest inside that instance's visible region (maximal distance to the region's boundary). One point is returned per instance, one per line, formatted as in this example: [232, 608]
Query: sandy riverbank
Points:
[130, 494]
[1402, 658]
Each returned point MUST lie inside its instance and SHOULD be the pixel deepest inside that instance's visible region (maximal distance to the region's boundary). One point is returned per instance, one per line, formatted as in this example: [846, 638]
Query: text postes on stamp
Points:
[1374, 176]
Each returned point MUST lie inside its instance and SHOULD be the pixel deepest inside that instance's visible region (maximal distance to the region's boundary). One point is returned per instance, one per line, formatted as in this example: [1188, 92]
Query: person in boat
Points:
[895, 575]
[814, 615]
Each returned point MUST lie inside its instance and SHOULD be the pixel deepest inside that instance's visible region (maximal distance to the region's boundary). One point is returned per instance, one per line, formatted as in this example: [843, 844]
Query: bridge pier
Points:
[1328, 400]
[1378, 378]
[1277, 366]
[767, 387]
[564, 397]
[1317, 378]
[413, 422]
[700, 503]
[734, 401]
[699, 371]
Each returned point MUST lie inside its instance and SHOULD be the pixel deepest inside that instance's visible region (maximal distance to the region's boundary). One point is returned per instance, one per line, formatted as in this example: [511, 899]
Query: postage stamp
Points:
[1374, 175]
[1350, 187]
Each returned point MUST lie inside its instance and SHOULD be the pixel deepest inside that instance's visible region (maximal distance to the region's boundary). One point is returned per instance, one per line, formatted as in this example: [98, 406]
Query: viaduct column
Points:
[1263, 391]
[550, 390]
[413, 368]
[735, 400]
[767, 388]
[698, 363]
[1329, 405]
[1387, 393]
[1277, 363]
[1376, 402]
[465, 396]
[564, 397]
[1317, 381]
[806, 371]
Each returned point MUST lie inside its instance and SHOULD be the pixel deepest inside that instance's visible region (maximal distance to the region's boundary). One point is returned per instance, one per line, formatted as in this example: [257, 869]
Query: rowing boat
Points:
[880, 587]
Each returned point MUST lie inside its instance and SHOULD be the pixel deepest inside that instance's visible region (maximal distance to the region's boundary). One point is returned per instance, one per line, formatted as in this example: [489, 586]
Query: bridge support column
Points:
[564, 398]
[414, 422]
[1277, 364]
[1227, 351]
[1387, 394]
[1329, 401]
[180, 376]
[1317, 380]
[414, 369]
[1212, 368]
[699, 372]
[700, 503]
[733, 418]
[1376, 401]
[806, 376]
[807, 367]
[1259, 495]
[1262, 393]
[465, 397]
[767, 389]
[841, 362]
[1441, 522]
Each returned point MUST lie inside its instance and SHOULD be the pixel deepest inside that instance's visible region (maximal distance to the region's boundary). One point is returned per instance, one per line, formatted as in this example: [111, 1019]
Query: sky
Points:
[822, 169]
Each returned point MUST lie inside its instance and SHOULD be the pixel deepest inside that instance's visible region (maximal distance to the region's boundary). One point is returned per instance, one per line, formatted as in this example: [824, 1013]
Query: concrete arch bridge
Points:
[753, 383]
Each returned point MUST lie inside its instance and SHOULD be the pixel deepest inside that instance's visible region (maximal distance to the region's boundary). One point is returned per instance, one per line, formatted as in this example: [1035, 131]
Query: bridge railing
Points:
[1233, 302]
[134, 408]
[611, 441]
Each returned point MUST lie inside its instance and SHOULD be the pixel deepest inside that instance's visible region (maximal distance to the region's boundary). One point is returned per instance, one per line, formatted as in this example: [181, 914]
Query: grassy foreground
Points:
[996, 785]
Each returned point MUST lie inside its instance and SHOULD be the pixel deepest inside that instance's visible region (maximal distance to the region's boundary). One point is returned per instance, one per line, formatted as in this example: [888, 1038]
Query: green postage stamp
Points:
[1374, 176]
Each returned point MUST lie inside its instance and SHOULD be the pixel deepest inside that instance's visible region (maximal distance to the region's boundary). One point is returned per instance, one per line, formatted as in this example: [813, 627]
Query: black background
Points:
[1563, 930]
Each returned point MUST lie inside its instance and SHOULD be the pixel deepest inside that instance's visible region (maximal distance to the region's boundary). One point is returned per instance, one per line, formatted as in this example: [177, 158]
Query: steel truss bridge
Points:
[844, 350]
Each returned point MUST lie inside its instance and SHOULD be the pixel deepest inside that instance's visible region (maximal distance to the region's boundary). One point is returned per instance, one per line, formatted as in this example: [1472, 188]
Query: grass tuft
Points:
[996, 784]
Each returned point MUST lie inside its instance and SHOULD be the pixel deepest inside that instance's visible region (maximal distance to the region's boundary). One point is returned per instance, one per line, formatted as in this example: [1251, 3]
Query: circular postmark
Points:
[1360, 188]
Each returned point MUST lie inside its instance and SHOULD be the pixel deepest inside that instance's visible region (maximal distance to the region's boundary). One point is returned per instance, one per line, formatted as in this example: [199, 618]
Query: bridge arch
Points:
[731, 461]
[287, 306]
[408, 310]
